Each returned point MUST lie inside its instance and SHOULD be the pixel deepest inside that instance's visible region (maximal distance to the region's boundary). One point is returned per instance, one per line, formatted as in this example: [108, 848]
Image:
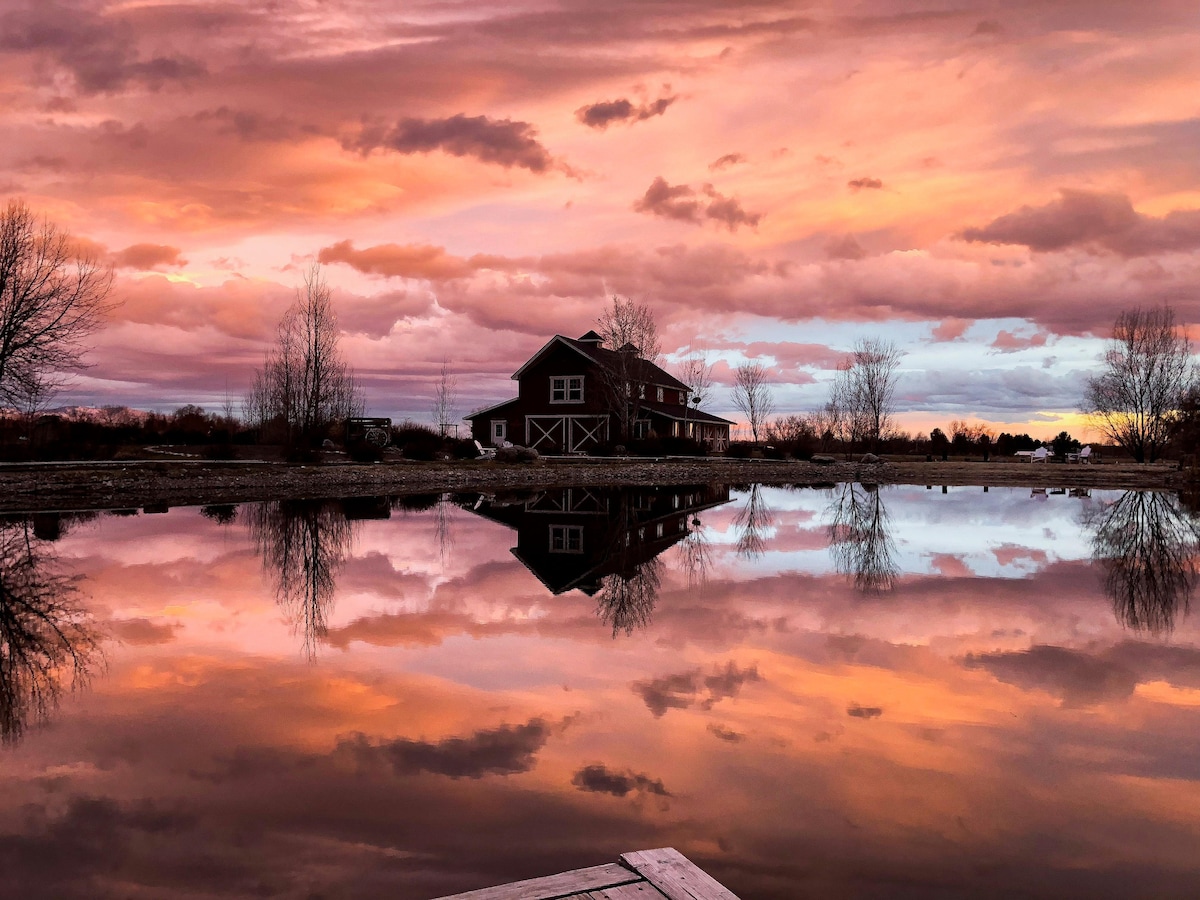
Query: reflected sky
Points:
[388, 699]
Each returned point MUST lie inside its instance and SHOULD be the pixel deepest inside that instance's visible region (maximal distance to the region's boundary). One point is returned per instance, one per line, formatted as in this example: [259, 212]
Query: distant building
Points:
[565, 402]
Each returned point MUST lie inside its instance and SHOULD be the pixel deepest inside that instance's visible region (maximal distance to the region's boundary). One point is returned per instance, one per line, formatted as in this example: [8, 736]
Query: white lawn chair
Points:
[1085, 455]
[485, 452]
[1039, 455]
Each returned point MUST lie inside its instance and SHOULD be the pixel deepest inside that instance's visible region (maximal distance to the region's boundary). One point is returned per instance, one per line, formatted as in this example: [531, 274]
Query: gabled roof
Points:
[489, 409]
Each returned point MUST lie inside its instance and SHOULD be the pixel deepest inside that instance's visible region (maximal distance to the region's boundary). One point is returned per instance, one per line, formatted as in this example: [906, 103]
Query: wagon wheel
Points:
[376, 437]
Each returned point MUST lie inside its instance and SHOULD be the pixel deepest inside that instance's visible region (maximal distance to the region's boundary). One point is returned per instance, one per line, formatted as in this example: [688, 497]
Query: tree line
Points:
[1145, 398]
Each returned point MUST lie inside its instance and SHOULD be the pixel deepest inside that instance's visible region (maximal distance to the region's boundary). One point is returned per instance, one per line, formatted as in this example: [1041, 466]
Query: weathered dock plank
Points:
[557, 887]
[638, 890]
[676, 876]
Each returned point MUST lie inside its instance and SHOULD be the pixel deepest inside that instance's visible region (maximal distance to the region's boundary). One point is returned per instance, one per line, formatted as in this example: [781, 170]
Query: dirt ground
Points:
[164, 483]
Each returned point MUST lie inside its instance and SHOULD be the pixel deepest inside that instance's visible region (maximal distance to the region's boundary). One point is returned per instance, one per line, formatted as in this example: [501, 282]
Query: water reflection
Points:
[1147, 545]
[302, 544]
[753, 522]
[860, 540]
[606, 542]
[48, 642]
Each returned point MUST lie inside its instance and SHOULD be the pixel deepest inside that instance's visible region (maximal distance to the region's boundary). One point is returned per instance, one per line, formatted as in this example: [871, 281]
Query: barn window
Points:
[566, 539]
[566, 389]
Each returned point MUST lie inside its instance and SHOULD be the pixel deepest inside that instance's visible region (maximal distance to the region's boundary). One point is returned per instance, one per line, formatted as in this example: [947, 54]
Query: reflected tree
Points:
[47, 640]
[751, 523]
[860, 539]
[626, 599]
[695, 554]
[442, 527]
[302, 544]
[1147, 544]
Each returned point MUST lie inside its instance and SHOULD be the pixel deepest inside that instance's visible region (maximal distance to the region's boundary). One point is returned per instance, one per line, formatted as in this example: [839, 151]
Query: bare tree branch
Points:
[51, 299]
[752, 395]
[1148, 368]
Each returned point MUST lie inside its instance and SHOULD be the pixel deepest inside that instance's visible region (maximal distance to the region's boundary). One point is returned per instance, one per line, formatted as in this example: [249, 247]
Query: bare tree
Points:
[631, 336]
[1135, 402]
[860, 538]
[48, 640]
[1148, 547]
[696, 372]
[51, 299]
[752, 395]
[303, 544]
[304, 385]
[445, 398]
[864, 391]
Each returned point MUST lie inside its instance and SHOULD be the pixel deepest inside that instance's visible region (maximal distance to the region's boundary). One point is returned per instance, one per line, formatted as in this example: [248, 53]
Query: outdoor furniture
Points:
[1039, 455]
[485, 452]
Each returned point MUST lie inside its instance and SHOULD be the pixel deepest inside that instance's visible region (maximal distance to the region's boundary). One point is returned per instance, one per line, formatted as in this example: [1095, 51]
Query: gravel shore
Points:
[118, 485]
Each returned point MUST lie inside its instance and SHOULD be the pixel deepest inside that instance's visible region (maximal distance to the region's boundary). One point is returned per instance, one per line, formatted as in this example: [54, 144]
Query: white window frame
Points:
[499, 431]
[641, 429]
[658, 395]
[569, 388]
[683, 398]
[566, 539]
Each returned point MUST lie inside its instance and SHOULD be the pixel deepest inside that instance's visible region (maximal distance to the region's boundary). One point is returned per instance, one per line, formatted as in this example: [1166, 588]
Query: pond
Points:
[840, 692]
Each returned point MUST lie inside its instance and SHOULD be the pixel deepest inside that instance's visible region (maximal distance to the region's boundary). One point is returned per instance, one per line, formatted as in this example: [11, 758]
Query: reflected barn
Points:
[48, 643]
[303, 543]
[860, 539]
[1147, 544]
[603, 542]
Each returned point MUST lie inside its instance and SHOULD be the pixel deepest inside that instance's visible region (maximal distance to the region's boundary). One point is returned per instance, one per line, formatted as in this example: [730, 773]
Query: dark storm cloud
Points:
[503, 142]
[1075, 677]
[506, 750]
[865, 184]
[599, 779]
[1097, 221]
[606, 112]
[686, 204]
[99, 52]
[686, 689]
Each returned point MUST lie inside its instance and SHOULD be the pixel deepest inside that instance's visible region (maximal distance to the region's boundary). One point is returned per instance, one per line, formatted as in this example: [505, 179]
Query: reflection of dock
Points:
[642, 875]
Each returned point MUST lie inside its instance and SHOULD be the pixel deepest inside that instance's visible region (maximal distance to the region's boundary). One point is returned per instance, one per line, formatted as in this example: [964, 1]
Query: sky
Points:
[986, 184]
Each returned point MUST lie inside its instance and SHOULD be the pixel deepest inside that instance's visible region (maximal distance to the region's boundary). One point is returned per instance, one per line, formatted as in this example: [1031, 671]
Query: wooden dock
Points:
[664, 874]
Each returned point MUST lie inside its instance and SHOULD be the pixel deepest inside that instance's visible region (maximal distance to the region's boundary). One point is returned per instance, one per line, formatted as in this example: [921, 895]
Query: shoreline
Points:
[45, 487]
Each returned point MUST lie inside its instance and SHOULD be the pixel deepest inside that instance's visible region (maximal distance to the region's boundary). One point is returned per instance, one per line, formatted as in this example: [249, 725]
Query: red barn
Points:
[574, 394]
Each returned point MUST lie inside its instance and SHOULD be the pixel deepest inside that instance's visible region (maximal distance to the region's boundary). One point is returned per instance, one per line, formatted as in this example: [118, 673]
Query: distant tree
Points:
[752, 396]
[939, 444]
[696, 372]
[445, 398]
[51, 298]
[629, 331]
[304, 385]
[865, 387]
[1063, 443]
[1148, 369]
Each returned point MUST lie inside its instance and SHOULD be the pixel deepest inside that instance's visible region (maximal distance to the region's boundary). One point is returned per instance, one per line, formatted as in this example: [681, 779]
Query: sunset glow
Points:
[988, 186]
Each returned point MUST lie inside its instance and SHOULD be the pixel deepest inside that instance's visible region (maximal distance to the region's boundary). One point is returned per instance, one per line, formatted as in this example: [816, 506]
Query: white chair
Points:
[1085, 455]
[1038, 455]
[485, 452]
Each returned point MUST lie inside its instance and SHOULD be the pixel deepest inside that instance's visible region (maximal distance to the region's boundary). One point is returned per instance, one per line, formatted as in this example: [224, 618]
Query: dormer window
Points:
[566, 389]
[683, 398]
[658, 394]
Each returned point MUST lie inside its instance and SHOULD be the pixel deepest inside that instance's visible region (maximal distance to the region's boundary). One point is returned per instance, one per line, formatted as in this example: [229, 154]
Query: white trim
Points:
[499, 435]
[558, 338]
[572, 432]
[566, 388]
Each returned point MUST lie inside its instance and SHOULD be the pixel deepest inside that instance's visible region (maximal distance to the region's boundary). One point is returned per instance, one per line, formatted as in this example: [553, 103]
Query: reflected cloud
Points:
[683, 690]
[303, 544]
[48, 640]
[860, 540]
[1147, 545]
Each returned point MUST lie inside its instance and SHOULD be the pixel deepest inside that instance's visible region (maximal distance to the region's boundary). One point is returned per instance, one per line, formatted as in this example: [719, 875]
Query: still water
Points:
[848, 692]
